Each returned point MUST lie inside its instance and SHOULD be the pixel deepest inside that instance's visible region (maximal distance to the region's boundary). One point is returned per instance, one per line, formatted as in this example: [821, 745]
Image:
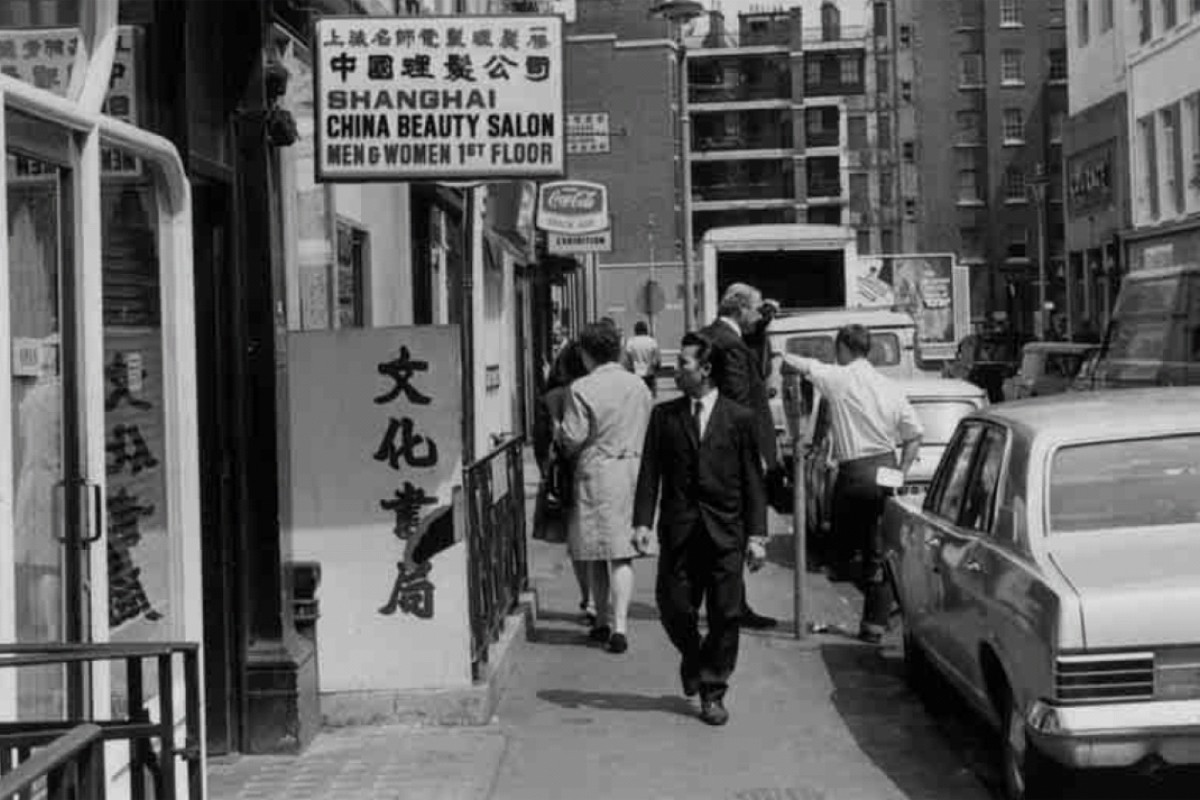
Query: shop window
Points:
[352, 266]
[40, 40]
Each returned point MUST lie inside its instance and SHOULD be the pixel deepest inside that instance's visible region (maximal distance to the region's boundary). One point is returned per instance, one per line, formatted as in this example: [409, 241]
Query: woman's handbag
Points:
[549, 516]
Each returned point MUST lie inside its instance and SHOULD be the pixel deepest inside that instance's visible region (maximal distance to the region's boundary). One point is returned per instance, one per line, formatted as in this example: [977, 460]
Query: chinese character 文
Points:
[429, 37]
[358, 38]
[401, 370]
[510, 39]
[128, 448]
[412, 593]
[482, 37]
[539, 39]
[416, 67]
[497, 67]
[537, 68]
[410, 441]
[117, 373]
[406, 505]
[380, 68]
[343, 64]
[459, 68]
[455, 37]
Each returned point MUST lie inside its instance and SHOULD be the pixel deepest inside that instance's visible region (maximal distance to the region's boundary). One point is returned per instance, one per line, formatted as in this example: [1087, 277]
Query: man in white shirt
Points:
[870, 417]
[641, 354]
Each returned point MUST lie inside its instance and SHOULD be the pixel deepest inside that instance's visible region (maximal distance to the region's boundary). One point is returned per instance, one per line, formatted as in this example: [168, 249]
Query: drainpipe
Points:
[467, 328]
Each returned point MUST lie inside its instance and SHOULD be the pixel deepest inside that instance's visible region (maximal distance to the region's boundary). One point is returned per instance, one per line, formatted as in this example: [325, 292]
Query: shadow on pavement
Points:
[560, 636]
[609, 701]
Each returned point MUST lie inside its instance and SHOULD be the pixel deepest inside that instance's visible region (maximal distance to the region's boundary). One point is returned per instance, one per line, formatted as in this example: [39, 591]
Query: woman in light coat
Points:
[604, 425]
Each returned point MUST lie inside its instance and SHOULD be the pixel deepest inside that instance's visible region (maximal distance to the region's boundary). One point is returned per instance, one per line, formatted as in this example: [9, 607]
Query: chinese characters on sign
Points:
[404, 449]
[46, 59]
[587, 134]
[420, 98]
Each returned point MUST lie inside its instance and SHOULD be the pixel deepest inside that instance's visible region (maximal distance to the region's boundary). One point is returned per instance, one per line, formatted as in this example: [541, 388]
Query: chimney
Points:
[716, 29]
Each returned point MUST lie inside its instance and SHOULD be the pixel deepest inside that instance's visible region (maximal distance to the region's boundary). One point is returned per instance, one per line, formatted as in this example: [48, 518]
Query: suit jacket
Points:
[738, 377]
[717, 481]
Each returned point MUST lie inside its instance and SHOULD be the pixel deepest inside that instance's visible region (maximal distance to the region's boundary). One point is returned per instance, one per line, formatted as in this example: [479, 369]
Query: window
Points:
[884, 137]
[968, 177]
[887, 244]
[980, 502]
[909, 150]
[1149, 165]
[860, 192]
[906, 93]
[950, 483]
[831, 22]
[883, 74]
[1106, 14]
[352, 252]
[910, 208]
[1012, 67]
[1085, 22]
[821, 126]
[1056, 10]
[1170, 12]
[1014, 126]
[862, 240]
[1172, 139]
[856, 132]
[1018, 241]
[881, 19]
[1014, 185]
[970, 69]
[1058, 65]
[1145, 21]
[851, 70]
[970, 242]
[1058, 120]
[906, 33]
[887, 193]
[812, 72]
[1193, 111]
[970, 128]
[969, 13]
[1011, 12]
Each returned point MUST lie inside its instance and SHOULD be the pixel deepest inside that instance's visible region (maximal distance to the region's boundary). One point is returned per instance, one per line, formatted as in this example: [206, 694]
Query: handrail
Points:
[52, 758]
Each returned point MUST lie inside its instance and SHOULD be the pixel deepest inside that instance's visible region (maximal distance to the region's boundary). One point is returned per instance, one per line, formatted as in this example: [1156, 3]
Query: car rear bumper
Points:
[1117, 734]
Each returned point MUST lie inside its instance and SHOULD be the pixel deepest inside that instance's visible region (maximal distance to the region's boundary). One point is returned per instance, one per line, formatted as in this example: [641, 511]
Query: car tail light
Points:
[1111, 677]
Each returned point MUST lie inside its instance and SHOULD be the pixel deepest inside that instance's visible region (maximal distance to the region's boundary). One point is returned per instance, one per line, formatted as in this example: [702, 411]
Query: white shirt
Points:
[707, 401]
[869, 414]
[642, 351]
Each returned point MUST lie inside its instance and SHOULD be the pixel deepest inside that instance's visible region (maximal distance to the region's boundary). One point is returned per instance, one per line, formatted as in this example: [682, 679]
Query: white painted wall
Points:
[1095, 71]
[384, 211]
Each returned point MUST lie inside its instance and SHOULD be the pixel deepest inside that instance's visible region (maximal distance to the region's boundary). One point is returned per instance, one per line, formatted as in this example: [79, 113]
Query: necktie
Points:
[697, 407]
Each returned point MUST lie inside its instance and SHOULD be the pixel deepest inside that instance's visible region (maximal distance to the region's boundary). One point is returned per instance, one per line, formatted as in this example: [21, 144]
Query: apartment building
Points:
[982, 102]
[1162, 45]
[791, 121]
[1096, 147]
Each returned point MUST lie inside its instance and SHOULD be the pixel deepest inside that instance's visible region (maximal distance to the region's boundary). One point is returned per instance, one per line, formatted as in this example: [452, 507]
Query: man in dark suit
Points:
[737, 374]
[701, 457]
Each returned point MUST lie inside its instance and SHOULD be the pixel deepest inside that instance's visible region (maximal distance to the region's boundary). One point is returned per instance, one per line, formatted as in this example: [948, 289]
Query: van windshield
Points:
[885, 348]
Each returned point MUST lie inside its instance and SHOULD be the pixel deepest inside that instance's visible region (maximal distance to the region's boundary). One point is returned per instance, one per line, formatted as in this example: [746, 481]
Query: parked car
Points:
[1052, 574]
[1047, 368]
[986, 360]
[939, 402]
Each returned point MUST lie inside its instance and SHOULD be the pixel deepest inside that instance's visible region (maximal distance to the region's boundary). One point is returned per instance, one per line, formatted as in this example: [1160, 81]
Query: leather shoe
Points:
[618, 643]
[757, 621]
[691, 684]
[712, 711]
[600, 633]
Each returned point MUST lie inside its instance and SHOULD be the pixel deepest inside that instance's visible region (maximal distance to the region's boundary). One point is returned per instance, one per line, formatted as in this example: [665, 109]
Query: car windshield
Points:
[885, 348]
[1135, 483]
[940, 417]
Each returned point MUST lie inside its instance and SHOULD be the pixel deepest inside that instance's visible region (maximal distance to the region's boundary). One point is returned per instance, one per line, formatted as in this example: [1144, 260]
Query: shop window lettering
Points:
[539, 39]
[127, 448]
[406, 37]
[429, 37]
[382, 38]
[11, 50]
[406, 504]
[416, 67]
[459, 68]
[358, 38]
[381, 68]
[510, 39]
[497, 67]
[117, 373]
[412, 593]
[537, 68]
[481, 37]
[126, 595]
[455, 37]
[343, 64]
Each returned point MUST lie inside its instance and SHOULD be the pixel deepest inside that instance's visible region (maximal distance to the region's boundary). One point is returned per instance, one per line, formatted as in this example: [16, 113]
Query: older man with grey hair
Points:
[738, 377]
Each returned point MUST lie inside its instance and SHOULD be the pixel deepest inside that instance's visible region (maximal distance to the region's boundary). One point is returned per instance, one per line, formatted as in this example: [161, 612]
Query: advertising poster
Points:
[436, 98]
[921, 286]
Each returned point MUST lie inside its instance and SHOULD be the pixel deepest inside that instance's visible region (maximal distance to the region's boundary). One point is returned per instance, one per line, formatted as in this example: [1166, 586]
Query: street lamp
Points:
[679, 13]
[1037, 185]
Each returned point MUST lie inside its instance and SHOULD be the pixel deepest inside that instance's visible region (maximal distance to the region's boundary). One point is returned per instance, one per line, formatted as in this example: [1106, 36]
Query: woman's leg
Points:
[600, 588]
[622, 593]
[587, 603]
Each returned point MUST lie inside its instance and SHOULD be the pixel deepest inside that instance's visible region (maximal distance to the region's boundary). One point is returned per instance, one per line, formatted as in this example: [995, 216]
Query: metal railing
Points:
[153, 748]
[69, 768]
[497, 568]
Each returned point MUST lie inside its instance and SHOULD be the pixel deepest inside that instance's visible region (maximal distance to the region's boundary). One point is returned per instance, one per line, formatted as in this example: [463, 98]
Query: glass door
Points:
[56, 507]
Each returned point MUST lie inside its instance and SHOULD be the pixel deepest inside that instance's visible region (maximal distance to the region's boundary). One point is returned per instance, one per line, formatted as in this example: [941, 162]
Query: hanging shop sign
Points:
[571, 243]
[572, 207]
[439, 98]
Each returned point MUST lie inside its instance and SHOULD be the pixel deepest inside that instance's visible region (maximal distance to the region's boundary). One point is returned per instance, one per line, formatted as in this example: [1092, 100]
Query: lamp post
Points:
[678, 13]
[1038, 183]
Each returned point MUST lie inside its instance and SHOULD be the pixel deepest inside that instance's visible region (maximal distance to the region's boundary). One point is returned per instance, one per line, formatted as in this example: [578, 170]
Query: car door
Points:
[923, 545]
[970, 560]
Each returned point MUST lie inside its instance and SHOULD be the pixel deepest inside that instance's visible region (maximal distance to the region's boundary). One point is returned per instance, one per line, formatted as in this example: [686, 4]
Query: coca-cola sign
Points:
[572, 207]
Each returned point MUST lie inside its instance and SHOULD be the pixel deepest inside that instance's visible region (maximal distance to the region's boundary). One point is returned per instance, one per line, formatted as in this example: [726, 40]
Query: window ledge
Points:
[971, 204]
[1016, 201]
[971, 87]
[1012, 25]
[1013, 142]
[1013, 84]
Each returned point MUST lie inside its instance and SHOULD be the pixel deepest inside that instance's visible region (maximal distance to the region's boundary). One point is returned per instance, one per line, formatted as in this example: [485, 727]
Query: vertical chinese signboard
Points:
[437, 98]
[376, 452]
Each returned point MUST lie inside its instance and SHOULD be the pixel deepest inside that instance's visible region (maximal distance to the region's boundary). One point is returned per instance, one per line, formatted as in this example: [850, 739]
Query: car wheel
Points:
[1027, 774]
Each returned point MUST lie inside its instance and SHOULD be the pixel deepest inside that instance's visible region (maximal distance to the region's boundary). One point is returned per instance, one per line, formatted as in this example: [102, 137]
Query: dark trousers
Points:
[690, 573]
[858, 503]
[651, 382]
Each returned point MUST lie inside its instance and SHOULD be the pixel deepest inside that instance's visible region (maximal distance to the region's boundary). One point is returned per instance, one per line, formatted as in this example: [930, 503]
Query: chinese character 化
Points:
[401, 370]
[391, 452]
[497, 67]
[406, 505]
[412, 592]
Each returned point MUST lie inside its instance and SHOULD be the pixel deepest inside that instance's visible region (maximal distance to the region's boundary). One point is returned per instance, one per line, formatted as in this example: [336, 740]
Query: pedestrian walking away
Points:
[738, 377]
[603, 428]
[701, 467]
[642, 357]
[869, 416]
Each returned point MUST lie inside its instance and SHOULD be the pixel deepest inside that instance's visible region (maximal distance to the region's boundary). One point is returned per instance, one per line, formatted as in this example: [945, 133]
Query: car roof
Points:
[1112, 414]
[830, 319]
[939, 387]
[1059, 347]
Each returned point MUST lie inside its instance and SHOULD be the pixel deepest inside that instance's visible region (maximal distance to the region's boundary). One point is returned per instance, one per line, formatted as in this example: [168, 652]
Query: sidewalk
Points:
[824, 719]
